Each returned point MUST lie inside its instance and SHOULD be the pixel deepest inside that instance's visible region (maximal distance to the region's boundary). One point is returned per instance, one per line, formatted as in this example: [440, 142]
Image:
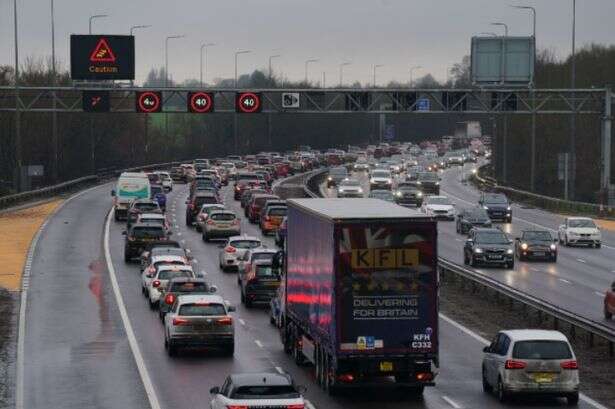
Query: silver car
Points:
[161, 278]
[535, 362]
[199, 321]
[221, 223]
[234, 249]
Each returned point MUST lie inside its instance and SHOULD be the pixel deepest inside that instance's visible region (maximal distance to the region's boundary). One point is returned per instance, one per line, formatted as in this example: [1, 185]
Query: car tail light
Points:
[236, 221]
[512, 364]
[236, 407]
[190, 206]
[298, 406]
[225, 321]
[210, 222]
[424, 376]
[267, 219]
[156, 283]
[347, 378]
[180, 321]
[230, 249]
[569, 365]
[169, 299]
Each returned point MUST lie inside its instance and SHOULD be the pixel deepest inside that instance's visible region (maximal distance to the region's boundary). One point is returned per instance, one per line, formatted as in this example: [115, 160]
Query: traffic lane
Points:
[75, 352]
[183, 381]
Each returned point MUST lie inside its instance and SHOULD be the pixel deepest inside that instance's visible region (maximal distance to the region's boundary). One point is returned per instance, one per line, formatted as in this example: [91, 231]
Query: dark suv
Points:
[195, 202]
[489, 246]
[428, 183]
[497, 206]
[470, 218]
[139, 235]
[408, 194]
[259, 283]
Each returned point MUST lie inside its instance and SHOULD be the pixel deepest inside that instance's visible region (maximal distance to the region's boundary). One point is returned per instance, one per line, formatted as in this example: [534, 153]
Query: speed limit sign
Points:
[248, 102]
[200, 102]
[148, 101]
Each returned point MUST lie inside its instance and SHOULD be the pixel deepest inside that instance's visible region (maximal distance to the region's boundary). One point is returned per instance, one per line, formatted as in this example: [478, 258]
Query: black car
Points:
[182, 285]
[536, 244]
[469, 218]
[497, 206]
[408, 194]
[259, 283]
[139, 236]
[428, 183]
[488, 246]
[195, 202]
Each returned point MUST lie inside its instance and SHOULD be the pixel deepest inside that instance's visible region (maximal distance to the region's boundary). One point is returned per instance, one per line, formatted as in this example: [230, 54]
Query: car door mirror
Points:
[518, 238]
[113, 192]
[124, 233]
[187, 202]
[215, 390]
[469, 241]
[231, 308]
[213, 289]
[487, 349]
[301, 389]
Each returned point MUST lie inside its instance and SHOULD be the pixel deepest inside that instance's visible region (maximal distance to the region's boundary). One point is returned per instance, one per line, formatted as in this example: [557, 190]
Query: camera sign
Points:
[290, 100]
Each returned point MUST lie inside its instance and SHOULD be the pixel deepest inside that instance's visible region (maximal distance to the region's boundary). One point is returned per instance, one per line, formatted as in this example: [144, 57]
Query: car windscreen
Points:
[438, 201]
[245, 244]
[260, 201]
[147, 232]
[265, 271]
[265, 392]
[477, 214]
[428, 176]
[496, 199]
[277, 211]
[491, 237]
[581, 223]
[169, 274]
[537, 235]
[167, 251]
[205, 199]
[152, 220]
[208, 209]
[156, 189]
[201, 309]
[381, 174]
[262, 256]
[146, 206]
[223, 216]
[189, 287]
[350, 183]
[541, 350]
[338, 171]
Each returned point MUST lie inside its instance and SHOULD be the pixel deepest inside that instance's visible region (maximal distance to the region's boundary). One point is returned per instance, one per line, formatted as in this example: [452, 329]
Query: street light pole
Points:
[342, 72]
[54, 114]
[132, 30]
[236, 54]
[503, 25]
[271, 57]
[416, 67]
[307, 62]
[376, 66]
[18, 158]
[573, 118]
[204, 47]
[95, 16]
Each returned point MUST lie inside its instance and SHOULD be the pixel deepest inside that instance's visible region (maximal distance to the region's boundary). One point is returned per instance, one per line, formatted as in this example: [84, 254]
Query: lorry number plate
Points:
[386, 366]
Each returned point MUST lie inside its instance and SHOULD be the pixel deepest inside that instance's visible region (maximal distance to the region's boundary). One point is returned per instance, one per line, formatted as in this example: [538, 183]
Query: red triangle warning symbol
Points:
[102, 52]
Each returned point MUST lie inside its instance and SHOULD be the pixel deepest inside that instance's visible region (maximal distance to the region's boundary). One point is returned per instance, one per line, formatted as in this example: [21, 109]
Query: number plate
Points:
[494, 257]
[542, 377]
[386, 366]
[539, 253]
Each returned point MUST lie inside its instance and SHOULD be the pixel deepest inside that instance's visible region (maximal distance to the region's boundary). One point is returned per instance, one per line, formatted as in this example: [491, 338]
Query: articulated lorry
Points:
[359, 295]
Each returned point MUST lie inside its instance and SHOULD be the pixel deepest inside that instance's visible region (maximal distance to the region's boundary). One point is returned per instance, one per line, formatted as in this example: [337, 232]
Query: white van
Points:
[130, 186]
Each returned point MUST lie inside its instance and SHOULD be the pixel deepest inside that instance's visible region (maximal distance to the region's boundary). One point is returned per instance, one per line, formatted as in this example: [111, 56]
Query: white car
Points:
[579, 230]
[349, 188]
[258, 390]
[148, 273]
[381, 179]
[439, 207]
[161, 278]
[234, 250]
[165, 180]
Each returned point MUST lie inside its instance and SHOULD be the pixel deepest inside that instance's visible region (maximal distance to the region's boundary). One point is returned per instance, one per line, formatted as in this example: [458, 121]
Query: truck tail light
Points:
[569, 365]
[424, 376]
[225, 321]
[156, 283]
[230, 249]
[180, 321]
[512, 364]
[169, 299]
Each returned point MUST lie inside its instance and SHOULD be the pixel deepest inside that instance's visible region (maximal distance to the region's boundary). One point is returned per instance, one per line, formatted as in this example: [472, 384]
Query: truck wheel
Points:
[328, 384]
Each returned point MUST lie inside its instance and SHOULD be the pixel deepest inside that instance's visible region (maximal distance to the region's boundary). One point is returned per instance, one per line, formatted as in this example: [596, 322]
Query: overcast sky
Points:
[396, 33]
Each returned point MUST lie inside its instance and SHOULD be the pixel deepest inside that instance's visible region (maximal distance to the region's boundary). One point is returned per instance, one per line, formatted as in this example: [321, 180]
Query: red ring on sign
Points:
[252, 109]
[145, 108]
[198, 95]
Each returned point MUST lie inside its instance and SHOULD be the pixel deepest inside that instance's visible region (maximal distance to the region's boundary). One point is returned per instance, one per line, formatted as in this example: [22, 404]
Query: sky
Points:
[397, 34]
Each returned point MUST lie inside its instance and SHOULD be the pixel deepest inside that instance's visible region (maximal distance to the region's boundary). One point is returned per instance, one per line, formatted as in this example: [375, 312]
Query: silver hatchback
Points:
[536, 362]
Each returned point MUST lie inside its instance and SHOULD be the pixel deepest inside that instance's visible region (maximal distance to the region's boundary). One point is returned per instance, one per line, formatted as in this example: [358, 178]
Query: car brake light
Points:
[512, 364]
[424, 376]
[169, 299]
[299, 406]
[225, 321]
[267, 218]
[230, 249]
[347, 378]
[236, 407]
[210, 222]
[569, 365]
[156, 283]
[180, 321]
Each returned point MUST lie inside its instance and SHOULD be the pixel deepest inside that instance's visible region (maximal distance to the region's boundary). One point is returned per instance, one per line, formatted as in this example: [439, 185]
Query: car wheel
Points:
[152, 305]
[171, 349]
[554, 258]
[198, 228]
[127, 257]
[607, 314]
[510, 265]
[116, 216]
[457, 229]
[502, 394]
[204, 237]
[566, 241]
[230, 350]
[247, 302]
[559, 238]
[573, 399]
[598, 245]
[471, 261]
[486, 387]
[465, 259]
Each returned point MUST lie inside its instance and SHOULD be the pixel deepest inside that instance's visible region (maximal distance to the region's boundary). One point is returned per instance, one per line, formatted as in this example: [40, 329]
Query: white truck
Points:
[130, 186]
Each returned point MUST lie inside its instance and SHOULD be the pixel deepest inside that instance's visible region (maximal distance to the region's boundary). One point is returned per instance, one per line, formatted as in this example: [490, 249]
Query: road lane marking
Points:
[280, 370]
[309, 405]
[563, 280]
[599, 294]
[451, 402]
[257, 342]
[132, 340]
[242, 322]
[458, 239]
[580, 260]
[535, 269]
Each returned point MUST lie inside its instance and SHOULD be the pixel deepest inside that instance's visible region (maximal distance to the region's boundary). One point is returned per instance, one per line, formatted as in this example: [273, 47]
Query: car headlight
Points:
[573, 233]
[509, 251]
[389, 182]
[419, 194]
[419, 182]
[329, 178]
[524, 246]
[360, 190]
[509, 208]
[485, 207]
[398, 194]
[478, 250]
[553, 246]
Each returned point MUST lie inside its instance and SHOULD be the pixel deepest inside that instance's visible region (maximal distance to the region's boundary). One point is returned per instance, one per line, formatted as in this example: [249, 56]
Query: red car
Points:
[255, 205]
[282, 169]
[609, 302]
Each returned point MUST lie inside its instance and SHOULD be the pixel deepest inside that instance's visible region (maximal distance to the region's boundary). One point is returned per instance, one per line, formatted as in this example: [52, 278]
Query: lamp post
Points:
[94, 17]
[54, 114]
[307, 62]
[342, 65]
[502, 25]
[376, 66]
[236, 54]
[133, 28]
[203, 48]
[166, 57]
[416, 67]
[18, 158]
[271, 57]
[573, 118]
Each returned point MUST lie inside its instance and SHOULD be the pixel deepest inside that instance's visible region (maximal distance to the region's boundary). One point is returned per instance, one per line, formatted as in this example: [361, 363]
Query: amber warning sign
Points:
[102, 57]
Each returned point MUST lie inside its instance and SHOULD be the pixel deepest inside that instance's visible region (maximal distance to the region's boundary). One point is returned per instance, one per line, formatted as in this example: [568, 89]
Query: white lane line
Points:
[25, 285]
[458, 239]
[563, 280]
[280, 370]
[535, 269]
[309, 405]
[484, 341]
[183, 241]
[258, 343]
[242, 322]
[580, 260]
[179, 233]
[599, 294]
[451, 402]
[132, 340]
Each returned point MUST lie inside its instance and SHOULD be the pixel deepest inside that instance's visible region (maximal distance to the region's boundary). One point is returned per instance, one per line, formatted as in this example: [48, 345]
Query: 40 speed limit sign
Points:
[200, 102]
[248, 102]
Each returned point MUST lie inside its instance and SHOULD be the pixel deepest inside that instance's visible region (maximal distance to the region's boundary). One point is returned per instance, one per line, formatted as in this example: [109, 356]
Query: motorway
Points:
[91, 340]
[577, 282]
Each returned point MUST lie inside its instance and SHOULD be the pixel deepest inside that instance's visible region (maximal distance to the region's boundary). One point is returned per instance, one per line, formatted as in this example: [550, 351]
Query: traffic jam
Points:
[343, 271]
